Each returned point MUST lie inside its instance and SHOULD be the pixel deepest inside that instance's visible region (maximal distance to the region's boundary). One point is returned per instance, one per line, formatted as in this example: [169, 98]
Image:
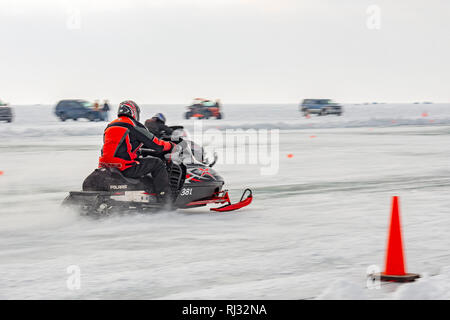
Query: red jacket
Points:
[122, 140]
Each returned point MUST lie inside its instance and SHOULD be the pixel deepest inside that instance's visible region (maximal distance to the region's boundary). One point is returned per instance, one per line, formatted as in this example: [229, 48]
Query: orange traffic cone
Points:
[395, 261]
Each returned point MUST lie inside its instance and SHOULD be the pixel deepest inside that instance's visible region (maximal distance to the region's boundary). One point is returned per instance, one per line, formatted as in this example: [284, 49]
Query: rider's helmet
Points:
[159, 117]
[130, 109]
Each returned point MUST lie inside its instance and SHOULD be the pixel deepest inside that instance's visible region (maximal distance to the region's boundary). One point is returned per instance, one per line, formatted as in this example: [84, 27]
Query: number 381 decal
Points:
[186, 192]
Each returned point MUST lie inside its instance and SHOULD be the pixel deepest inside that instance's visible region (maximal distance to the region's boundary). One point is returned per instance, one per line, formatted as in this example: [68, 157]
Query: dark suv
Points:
[76, 109]
[6, 113]
[320, 107]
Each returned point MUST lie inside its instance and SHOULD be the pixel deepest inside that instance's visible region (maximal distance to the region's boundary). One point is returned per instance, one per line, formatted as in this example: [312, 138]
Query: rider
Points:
[122, 140]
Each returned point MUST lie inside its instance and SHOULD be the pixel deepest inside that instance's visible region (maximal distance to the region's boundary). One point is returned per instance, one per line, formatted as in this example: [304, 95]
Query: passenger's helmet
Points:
[129, 108]
[160, 117]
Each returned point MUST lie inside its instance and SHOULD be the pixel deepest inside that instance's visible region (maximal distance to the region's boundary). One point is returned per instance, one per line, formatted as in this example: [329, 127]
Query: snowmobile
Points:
[203, 109]
[192, 180]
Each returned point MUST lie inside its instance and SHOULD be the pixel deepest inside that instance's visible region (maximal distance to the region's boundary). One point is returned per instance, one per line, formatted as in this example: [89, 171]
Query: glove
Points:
[172, 146]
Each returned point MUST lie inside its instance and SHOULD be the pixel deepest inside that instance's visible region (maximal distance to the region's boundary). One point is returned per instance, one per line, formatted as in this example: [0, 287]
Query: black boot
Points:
[166, 200]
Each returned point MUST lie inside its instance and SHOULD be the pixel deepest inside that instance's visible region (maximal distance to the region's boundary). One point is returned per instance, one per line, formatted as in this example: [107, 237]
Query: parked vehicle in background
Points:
[204, 109]
[6, 113]
[320, 107]
[77, 109]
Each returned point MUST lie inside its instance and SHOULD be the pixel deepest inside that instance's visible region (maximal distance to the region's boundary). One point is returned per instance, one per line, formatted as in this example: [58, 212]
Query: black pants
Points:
[156, 168]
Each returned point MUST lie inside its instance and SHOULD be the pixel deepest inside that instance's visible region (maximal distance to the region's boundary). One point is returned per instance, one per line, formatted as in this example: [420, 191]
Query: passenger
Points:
[157, 125]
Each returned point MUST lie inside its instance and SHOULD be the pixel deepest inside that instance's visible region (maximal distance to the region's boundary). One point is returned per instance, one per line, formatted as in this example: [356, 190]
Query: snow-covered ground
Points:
[312, 231]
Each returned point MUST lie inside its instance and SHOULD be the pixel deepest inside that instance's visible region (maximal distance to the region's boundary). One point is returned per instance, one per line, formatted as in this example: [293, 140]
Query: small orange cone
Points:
[290, 155]
[395, 261]
[425, 114]
[1, 172]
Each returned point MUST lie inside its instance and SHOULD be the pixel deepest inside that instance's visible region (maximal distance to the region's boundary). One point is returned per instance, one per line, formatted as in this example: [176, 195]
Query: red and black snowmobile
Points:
[193, 181]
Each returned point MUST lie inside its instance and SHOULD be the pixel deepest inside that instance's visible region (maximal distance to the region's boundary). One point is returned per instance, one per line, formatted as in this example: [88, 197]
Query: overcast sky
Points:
[170, 51]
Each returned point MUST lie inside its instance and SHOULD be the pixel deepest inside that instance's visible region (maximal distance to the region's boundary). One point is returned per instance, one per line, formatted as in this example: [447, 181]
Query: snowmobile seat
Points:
[128, 180]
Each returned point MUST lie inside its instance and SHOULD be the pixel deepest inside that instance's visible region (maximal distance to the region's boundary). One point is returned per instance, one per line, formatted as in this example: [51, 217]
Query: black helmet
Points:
[160, 117]
[130, 109]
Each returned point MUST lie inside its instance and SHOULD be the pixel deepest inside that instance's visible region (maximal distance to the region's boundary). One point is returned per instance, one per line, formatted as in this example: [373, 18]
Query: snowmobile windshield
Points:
[187, 152]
